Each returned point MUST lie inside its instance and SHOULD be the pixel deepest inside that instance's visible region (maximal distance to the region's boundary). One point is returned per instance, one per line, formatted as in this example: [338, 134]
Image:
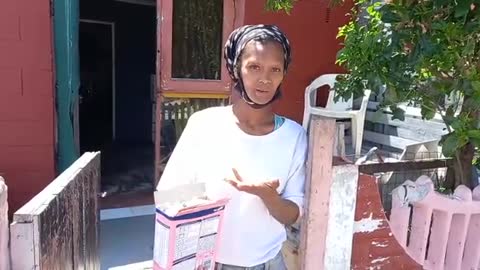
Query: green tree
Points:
[420, 52]
[279, 5]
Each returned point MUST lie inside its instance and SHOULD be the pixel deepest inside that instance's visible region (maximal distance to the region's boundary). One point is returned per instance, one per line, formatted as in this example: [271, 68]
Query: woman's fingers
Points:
[235, 183]
[237, 175]
[274, 184]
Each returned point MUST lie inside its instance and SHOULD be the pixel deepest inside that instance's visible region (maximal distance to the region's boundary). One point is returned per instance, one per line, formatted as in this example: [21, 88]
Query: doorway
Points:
[117, 46]
[97, 84]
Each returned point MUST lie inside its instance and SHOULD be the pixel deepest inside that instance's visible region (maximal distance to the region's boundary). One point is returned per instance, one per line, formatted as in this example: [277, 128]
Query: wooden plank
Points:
[418, 127]
[37, 203]
[392, 141]
[386, 118]
[22, 246]
[319, 181]
[64, 219]
[417, 134]
[339, 145]
[91, 216]
[77, 218]
[403, 165]
[409, 111]
[341, 217]
[55, 230]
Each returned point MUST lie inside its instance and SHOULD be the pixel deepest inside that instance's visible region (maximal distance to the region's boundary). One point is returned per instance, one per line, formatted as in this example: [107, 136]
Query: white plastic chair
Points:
[342, 109]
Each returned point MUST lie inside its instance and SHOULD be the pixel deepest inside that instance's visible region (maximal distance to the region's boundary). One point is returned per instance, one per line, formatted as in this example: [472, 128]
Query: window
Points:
[191, 39]
[197, 39]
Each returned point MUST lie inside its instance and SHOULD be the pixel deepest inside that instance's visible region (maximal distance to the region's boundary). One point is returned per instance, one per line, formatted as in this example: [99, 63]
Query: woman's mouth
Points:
[261, 91]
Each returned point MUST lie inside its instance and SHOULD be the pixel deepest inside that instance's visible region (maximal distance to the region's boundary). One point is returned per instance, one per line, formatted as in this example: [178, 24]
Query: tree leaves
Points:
[280, 5]
[422, 52]
[398, 113]
[462, 8]
[440, 3]
[428, 112]
[450, 143]
[388, 15]
[474, 136]
[476, 86]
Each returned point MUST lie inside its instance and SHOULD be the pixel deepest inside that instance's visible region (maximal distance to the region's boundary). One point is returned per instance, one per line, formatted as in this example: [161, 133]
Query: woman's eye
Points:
[254, 67]
[276, 70]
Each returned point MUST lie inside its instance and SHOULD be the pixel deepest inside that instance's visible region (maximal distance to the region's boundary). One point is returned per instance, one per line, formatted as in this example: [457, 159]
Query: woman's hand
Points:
[285, 211]
[264, 190]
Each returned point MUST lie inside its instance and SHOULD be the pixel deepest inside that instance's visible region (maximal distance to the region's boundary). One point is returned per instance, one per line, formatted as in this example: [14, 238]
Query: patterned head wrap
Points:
[237, 41]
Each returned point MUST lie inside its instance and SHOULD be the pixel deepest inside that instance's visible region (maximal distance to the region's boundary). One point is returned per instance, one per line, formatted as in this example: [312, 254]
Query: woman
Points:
[247, 153]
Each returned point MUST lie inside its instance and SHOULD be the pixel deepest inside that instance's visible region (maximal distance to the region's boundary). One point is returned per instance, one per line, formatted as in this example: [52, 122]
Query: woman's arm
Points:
[287, 207]
[283, 210]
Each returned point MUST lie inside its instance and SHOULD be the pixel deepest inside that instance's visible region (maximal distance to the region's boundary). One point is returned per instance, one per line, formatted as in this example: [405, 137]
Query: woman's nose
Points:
[263, 81]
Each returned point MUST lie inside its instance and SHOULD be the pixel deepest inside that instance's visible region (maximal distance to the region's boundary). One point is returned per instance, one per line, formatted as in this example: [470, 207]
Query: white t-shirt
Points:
[210, 146]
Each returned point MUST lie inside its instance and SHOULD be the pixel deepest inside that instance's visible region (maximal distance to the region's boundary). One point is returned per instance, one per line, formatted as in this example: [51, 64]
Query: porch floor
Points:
[127, 243]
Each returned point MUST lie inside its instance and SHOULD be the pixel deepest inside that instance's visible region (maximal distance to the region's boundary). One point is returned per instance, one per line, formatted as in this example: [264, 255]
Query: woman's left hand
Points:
[263, 189]
[285, 211]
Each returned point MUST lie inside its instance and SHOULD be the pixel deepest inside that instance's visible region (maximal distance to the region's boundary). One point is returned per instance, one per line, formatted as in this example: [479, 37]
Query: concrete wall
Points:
[26, 98]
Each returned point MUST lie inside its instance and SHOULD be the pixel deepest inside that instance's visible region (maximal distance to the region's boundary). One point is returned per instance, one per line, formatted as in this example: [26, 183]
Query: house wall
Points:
[27, 128]
[312, 28]
[26, 99]
[135, 38]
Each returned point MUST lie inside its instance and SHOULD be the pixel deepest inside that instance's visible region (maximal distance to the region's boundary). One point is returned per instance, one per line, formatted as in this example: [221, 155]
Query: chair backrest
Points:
[437, 231]
[327, 79]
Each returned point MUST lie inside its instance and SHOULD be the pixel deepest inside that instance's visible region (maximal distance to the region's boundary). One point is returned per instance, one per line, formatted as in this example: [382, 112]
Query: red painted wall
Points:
[376, 249]
[26, 99]
[312, 28]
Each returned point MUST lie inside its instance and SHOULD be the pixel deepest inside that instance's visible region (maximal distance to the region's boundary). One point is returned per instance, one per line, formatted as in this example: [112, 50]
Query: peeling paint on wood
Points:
[367, 225]
[319, 180]
[374, 246]
[343, 198]
[58, 228]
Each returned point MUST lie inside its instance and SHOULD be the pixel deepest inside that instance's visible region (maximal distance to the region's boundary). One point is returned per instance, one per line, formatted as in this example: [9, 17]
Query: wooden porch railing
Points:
[438, 231]
[4, 252]
[58, 228]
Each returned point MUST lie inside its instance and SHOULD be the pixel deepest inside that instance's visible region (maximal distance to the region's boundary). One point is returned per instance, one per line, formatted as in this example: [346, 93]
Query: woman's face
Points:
[262, 70]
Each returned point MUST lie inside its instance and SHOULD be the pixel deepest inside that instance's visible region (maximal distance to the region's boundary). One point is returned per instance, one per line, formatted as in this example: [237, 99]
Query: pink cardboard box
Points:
[186, 237]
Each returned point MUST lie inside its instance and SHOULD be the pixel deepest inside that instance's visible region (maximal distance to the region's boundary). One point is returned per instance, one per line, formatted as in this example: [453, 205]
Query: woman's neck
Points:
[254, 121]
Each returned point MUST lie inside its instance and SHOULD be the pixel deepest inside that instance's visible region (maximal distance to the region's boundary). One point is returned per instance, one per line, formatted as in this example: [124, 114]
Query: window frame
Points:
[169, 85]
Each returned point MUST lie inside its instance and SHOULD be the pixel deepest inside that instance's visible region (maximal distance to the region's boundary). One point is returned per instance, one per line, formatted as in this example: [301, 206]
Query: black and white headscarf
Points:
[237, 41]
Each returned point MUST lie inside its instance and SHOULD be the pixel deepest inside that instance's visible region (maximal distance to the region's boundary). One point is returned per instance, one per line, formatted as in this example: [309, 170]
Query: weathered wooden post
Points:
[59, 227]
[344, 226]
[4, 252]
[328, 223]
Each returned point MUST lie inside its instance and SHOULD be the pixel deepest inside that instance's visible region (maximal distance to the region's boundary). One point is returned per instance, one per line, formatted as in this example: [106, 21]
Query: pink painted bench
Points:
[4, 235]
[436, 230]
